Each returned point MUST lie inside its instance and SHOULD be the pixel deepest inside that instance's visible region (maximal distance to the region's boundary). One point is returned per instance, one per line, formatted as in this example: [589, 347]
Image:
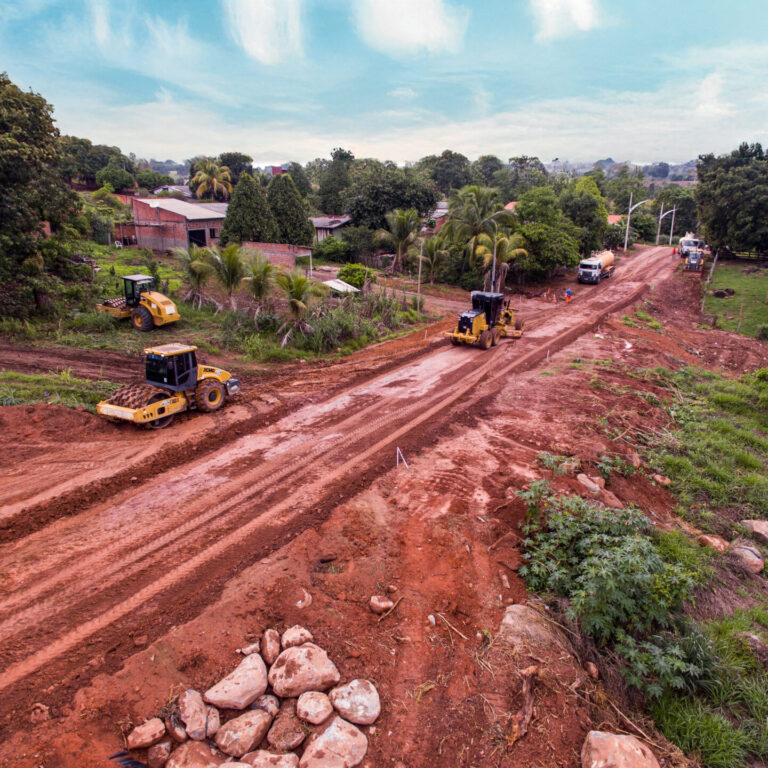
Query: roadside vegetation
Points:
[55, 388]
[631, 590]
[744, 311]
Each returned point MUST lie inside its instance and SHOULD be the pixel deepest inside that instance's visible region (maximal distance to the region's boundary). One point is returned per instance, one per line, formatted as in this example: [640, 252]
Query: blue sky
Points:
[398, 79]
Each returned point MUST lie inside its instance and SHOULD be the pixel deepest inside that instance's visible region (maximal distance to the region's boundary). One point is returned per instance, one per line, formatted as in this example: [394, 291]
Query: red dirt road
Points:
[93, 557]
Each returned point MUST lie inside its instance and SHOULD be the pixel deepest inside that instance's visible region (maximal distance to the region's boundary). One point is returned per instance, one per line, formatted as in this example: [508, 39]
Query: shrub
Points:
[332, 249]
[97, 322]
[355, 274]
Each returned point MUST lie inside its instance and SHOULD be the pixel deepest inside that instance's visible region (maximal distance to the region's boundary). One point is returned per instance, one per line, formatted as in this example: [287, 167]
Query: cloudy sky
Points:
[637, 80]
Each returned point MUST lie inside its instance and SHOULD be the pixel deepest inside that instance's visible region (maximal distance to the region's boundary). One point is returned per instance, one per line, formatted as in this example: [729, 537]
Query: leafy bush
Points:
[332, 329]
[610, 463]
[97, 322]
[356, 274]
[332, 249]
[607, 565]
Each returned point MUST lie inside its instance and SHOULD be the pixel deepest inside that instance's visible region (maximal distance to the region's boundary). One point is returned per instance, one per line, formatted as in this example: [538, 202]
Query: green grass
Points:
[751, 291]
[55, 388]
[717, 459]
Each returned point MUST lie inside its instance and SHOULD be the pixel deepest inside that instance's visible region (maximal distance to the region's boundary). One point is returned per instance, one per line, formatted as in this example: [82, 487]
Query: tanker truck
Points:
[596, 267]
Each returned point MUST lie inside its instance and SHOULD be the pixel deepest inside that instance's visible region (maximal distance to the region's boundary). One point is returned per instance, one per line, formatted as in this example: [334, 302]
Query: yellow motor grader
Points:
[489, 320]
[174, 382]
[145, 306]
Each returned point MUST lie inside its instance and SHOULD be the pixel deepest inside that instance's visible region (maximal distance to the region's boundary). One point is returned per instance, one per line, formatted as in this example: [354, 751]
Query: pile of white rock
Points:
[288, 691]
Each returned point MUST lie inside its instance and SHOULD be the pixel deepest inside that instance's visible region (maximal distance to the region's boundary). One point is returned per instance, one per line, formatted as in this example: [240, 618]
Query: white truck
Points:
[596, 267]
[689, 243]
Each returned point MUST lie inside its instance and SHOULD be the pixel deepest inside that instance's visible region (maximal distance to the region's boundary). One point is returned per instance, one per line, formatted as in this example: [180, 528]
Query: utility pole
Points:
[658, 229]
[672, 226]
[418, 287]
[493, 267]
[629, 216]
[670, 212]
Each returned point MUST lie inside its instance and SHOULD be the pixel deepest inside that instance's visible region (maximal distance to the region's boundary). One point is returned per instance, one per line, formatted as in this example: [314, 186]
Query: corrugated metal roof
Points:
[340, 286]
[191, 211]
[329, 222]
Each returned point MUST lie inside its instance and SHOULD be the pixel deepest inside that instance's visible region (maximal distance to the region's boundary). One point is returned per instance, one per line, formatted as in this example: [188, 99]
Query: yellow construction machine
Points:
[174, 382]
[145, 306]
[489, 320]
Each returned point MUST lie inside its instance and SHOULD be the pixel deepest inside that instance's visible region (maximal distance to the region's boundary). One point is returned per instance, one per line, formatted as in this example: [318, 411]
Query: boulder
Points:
[300, 669]
[175, 727]
[247, 650]
[194, 713]
[380, 604]
[212, 722]
[158, 755]
[270, 645]
[609, 750]
[314, 707]
[358, 702]
[338, 745]
[524, 629]
[758, 528]
[243, 733]
[592, 670]
[146, 734]
[264, 759]
[238, 689]
[287, 732]
[715, 542]
[610, 499]
[748, 556]
[195, 754]
[589, 483]
[661, 479]
[270, 704]
[294, 636]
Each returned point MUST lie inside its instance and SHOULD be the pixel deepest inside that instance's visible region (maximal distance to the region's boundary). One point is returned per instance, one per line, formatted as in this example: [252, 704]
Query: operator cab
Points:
[172, 366]
[135, 285]
[490, 303]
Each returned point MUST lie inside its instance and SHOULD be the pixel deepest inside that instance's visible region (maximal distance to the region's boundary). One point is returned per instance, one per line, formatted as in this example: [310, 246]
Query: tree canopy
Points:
[583, 204]
[293, 224]
[249, 217]
[449, 170]
[732, 196]
[334, 180]
[237, 163]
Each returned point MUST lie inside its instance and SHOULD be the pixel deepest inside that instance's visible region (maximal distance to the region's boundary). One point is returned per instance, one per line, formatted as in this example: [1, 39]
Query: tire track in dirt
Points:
[283, 512]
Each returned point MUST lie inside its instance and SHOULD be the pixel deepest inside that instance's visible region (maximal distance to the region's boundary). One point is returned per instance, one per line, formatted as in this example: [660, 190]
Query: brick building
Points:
[283, 254]
[166, 223]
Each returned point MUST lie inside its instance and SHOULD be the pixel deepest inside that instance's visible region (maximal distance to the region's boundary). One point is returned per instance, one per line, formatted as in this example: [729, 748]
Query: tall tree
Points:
[474, 211]
[583, 204]
[32, 189]
[249, 216]
[149, 179]
[334, 180]
[238, 163]
[300, 178]
[684, 202]
[399, 236]
[293, 224]
[114, 175]
[378, 188]
[450, 170]
[732, 195]
[484, 168]
[624, 184]
[211, 178]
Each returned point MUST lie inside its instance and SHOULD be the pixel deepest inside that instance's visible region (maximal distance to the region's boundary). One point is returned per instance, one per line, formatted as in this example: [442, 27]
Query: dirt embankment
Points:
[199, 558]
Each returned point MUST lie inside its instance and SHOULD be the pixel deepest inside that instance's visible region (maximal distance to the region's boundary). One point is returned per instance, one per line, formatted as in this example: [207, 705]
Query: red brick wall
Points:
[280, 253]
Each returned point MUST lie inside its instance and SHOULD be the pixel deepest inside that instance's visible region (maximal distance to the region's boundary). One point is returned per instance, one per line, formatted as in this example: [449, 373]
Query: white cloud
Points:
[407, 27]
[404, 94]
[267, 30]
[100, 15]
[708, 99]
[561, 18]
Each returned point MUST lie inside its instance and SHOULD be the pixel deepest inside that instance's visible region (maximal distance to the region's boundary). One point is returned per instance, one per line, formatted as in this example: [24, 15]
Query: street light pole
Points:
[418, 287]
[629, 216]
[658, 229]
[672, 226]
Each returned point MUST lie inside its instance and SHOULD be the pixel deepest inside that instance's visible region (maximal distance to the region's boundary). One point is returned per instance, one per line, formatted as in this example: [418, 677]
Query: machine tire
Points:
[141, 318]
[163, 422]
[495, 336]
[210, 395]
[519, 324]
[455, 341]
[484, 342]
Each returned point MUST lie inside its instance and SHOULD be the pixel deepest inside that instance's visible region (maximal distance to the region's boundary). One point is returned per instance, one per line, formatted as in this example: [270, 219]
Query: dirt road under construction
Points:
[108, 532]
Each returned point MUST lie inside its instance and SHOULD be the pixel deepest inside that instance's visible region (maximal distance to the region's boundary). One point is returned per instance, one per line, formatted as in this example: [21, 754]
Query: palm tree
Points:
[261, 281]
[197, 270]
[212, 177]
[298, 291]
[509, 248]
[474, 211]
[400, 236]
[433, 257]
[229, 268]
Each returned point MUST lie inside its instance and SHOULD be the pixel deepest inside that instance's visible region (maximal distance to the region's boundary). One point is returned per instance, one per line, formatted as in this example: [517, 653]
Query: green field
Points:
[54, 388]
[746, 310]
